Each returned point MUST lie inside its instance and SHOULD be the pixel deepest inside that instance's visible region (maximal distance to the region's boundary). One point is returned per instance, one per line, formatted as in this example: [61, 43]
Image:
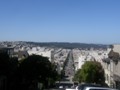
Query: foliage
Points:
[77, 76]
[8, 69]
[27, 73]
[36, 68]
[114, 56]
[91, 72]
[4, 64]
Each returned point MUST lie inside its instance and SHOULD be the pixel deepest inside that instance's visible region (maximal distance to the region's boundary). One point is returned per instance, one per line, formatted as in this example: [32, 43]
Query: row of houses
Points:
[89, 55]
[109, 59]
[112, 67]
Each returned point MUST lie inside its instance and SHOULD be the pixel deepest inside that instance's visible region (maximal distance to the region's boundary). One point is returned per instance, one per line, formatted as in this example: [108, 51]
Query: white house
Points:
[39, 52]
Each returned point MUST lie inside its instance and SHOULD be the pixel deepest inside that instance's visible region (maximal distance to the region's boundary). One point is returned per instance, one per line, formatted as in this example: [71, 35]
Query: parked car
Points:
[98, 88]
[64, 85]
[82, 86]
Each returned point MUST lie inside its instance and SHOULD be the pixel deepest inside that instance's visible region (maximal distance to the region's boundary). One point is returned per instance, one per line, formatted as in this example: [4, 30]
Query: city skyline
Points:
[88, 21]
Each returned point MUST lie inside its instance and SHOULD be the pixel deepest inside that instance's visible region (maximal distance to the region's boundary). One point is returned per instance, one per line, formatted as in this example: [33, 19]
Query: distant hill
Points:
[69, 45]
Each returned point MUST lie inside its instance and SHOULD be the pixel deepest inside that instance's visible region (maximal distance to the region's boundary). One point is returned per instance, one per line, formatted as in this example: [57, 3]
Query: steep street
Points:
[69, 68]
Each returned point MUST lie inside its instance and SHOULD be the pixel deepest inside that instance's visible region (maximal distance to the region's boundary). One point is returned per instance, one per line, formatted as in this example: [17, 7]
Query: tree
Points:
[13, 77]
[8, 68]
[4, 64]
[36, 69]
[114, 56]
[91, 72]
[77, 76]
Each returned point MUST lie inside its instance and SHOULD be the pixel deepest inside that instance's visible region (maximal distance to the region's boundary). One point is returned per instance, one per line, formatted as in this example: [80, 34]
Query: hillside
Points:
[69, 45]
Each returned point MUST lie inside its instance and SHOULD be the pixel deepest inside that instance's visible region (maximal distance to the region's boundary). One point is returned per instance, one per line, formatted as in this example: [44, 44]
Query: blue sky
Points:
[85, 21]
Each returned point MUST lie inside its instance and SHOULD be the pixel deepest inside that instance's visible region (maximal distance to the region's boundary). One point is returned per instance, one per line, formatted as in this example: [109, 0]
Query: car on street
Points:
[82, 86]
[98, 88]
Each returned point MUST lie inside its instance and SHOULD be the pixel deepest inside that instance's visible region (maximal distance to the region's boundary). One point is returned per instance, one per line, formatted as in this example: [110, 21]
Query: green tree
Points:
[77, 76]
[91, 72]
[36, 69]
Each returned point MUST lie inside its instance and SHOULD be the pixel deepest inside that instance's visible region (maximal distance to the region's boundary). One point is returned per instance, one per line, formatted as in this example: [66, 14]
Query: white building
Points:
[112, 67]
[94, 55]
[44, 53]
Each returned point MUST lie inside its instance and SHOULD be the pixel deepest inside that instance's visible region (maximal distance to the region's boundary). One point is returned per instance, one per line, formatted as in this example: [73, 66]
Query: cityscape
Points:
[75, 58]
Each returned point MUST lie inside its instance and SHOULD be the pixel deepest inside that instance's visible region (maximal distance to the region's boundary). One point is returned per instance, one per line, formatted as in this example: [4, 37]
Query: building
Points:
[112, 67]
[7, 50]
[22, 55]
[47, 54]
[116, 64]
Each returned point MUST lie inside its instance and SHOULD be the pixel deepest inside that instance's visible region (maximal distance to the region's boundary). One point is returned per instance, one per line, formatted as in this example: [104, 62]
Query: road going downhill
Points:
[69, 67]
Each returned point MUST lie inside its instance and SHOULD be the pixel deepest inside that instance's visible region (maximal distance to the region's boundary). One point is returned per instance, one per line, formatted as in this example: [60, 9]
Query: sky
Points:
[83, 21]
